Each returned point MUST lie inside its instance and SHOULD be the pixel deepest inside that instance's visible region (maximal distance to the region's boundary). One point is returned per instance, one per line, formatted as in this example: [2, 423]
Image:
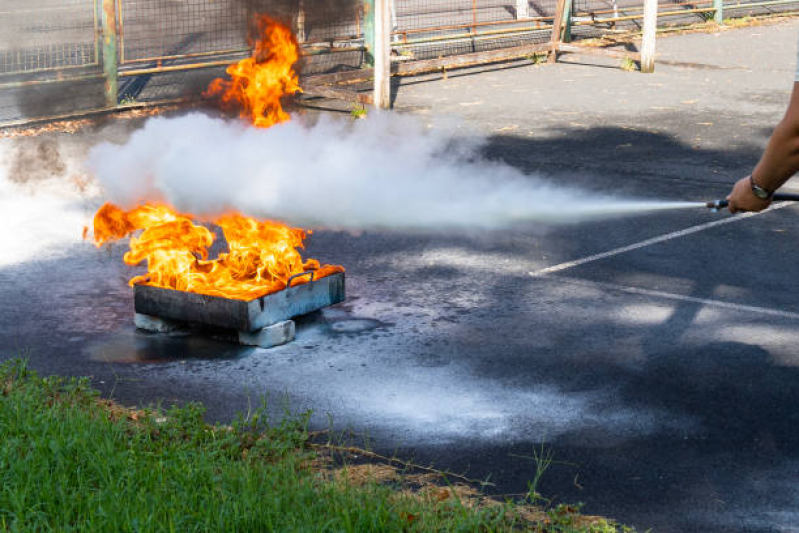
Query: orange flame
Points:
[261, 256]
[260, 259]
[257, 83]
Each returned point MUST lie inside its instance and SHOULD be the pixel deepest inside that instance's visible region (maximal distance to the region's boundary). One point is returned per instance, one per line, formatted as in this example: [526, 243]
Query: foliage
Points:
[628, 65]
[536, 59]
[72, 461]
[359, 111]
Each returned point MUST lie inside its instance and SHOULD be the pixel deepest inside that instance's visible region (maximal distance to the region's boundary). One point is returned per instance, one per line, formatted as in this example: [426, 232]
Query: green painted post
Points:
[567, 16]
[109, 21]
[369, 32]
[718, 16]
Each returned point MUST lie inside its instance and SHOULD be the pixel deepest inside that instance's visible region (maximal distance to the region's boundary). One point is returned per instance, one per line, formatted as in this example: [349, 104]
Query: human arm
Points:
[779, 162]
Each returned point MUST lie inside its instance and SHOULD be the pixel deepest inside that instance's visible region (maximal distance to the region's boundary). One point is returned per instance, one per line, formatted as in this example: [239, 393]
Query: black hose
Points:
[721, 204]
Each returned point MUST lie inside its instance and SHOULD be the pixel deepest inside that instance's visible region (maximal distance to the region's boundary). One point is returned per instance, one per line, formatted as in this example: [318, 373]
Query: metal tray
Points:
[240, 315]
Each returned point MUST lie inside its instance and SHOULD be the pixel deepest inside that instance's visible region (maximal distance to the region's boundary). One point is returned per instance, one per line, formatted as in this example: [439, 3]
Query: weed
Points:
[543, 458]
[537, 59]
[628, 65]
[359, 111]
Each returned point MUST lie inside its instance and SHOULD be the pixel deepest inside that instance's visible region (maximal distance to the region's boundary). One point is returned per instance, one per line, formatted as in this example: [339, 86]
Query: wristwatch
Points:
[757, 190]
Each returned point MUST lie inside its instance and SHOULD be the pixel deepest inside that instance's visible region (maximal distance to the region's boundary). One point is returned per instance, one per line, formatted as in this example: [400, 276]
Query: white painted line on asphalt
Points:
[653, 240]
[678, 297]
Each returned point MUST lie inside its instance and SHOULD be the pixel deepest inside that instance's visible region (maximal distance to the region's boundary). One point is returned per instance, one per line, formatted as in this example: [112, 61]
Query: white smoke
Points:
[387, 171]
[44, 201]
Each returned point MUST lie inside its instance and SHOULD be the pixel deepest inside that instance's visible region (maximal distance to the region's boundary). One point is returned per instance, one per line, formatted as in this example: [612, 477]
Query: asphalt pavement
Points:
[656, 355]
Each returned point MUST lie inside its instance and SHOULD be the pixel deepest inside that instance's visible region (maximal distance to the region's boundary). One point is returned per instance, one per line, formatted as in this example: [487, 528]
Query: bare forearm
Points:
[780, 160]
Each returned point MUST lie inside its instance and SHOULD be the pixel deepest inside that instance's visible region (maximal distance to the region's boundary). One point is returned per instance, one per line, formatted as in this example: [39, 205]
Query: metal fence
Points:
[56, 56]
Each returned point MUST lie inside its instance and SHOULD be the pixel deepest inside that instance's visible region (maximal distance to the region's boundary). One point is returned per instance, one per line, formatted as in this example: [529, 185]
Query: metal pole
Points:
[369, 32]
[109, 22]
[382, 54]
[719, 14]
[649, 36]
[567, 17]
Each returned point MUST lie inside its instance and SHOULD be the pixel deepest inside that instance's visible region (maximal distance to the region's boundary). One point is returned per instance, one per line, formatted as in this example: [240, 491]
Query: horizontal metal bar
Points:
[337, 50]
[173, 68]
[49, 81]
[621, 54]
[339, 77]
[470, 25]
[187, 56]
[94, 63]
[90, 112]
[212, 64]
[465, 60]
[635, 17]
[455, 61]
[509, 31]
[338, 94]
[47, 9]
[625, 9]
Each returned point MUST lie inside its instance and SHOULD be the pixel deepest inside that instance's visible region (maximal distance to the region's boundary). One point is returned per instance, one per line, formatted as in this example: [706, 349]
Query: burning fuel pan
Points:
[265, 321]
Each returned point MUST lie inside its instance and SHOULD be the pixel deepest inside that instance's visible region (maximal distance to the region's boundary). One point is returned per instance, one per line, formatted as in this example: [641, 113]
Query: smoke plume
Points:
[387, 171]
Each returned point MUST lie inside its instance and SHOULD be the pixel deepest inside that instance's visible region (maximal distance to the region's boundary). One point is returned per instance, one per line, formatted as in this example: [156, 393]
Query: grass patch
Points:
[359, 111]
[537, 59]
[72, 461]
[628, 65]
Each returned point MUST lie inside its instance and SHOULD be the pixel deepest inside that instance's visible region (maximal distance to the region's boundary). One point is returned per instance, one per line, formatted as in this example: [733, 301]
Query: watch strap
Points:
[757, 190]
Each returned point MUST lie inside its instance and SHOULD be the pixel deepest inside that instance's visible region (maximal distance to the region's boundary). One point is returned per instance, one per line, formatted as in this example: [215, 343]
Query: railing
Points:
[61, 57]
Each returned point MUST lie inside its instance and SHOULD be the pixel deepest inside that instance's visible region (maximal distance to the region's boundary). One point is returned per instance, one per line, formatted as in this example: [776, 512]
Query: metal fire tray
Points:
[240, 315]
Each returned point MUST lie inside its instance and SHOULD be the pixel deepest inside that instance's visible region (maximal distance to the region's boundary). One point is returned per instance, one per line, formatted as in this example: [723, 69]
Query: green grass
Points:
[358, 111]
[537, 58]
[628, 64]
[71, 461]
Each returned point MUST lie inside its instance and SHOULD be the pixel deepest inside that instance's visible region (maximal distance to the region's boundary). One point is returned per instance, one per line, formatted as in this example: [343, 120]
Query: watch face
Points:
[760, 192]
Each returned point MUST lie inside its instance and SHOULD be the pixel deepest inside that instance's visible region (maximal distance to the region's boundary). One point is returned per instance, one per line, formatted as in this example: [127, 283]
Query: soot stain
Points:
[36, 161]
[141, 347]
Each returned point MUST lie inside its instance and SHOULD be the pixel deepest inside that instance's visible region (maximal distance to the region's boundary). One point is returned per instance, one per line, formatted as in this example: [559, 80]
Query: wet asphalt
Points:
[665, 379]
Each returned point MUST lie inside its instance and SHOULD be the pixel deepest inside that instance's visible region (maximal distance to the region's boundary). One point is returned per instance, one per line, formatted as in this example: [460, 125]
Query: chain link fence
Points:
[42, 42]
[52, 52]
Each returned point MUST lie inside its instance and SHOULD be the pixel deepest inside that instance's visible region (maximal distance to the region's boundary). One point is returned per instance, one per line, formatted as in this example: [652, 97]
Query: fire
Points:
[257, 83]
[261, 256]
[260, 259]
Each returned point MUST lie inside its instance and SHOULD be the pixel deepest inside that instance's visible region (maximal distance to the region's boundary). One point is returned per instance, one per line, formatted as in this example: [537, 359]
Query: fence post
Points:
[649, 36]
[718, 15]
[301, 23]
[109, 22]
[382, 53]
[369, 32]
[522, 9]
[567, 17]
[557, 31]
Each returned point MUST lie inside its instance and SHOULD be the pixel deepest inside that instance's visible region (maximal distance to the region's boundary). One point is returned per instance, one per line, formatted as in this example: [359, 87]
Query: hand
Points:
[743, 199]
